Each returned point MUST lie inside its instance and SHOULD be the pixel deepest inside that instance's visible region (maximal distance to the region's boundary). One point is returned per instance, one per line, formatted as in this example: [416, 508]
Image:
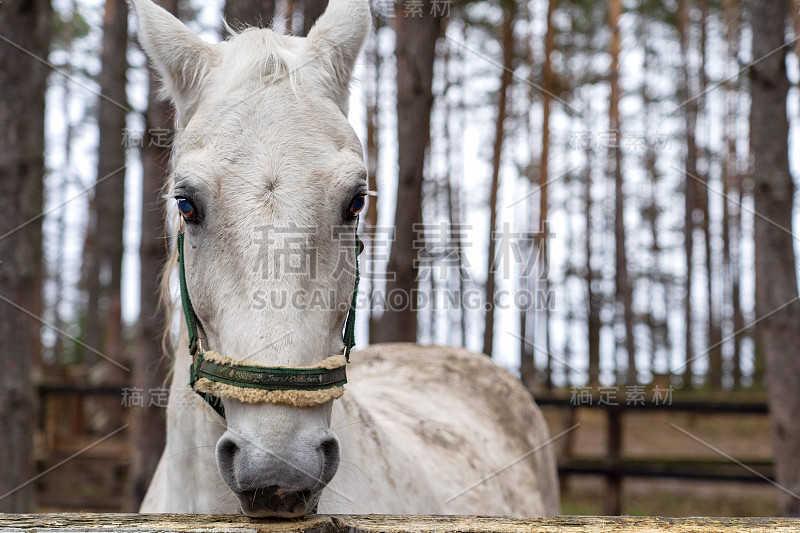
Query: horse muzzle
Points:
[277, 503]
[280, 484]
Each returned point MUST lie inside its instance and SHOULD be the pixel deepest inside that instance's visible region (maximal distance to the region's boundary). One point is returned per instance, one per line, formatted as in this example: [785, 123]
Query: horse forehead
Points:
[271, 119]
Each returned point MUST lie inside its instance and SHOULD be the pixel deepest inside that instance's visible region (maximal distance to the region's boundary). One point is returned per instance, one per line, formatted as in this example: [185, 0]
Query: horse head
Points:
[268, 179]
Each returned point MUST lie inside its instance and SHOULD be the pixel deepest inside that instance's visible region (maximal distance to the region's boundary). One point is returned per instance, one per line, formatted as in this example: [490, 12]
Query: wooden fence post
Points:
[613, 501]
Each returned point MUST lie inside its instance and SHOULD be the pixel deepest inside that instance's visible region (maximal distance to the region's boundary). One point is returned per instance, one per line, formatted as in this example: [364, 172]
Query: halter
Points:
[213, 376]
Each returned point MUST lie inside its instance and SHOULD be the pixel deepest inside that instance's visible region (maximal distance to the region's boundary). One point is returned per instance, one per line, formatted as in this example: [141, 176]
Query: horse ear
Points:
[336, 41]
[181, 58]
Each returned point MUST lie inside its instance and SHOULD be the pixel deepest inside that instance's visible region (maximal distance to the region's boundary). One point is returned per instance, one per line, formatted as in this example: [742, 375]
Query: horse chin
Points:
[272, 503]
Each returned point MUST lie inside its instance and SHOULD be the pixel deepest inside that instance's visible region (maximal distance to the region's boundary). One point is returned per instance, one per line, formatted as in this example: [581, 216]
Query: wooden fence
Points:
[615, 467]
[131, 523]
[63, 422]
[82, 465]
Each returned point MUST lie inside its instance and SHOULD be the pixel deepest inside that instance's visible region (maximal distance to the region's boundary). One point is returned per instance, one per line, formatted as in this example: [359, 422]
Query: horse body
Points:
[266, 166]
[418, 426]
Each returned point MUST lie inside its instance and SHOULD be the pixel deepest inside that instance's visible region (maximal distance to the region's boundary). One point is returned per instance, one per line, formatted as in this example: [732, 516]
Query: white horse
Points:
[264, 144]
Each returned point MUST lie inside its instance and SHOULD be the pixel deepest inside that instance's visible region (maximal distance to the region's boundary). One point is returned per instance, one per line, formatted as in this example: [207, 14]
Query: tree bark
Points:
[505, 83]
[594, 297]
[25, 29]
[312, 10]
[794, 16]
[776, 275]
[624, 290]
[243, 13]
[454, 203]
[150, 364]
[689, 106]
[416, 51]
[527, 372]
[714, 318]
[63, 187]
[658, 325]
[542, 275]
[731, 192]
[372, 94]
[104, 240]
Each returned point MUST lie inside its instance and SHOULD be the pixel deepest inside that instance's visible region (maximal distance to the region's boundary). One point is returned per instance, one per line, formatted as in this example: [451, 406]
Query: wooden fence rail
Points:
[614, 466]
[132, 523]
[756, 406]
[745, 471]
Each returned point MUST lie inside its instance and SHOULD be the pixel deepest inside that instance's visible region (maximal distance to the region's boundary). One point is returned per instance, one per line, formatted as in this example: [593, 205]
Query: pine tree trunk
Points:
[776, 275]
[416, 51]
[794, 16]
[730, 232]
[25, 29]
[372, 94]
[689, 106]
[542, 286]
[624, 293]
[109, 192]
[454, 205]
[658, 328]
[712, 271]
[499, 132]
[312, 10]
[240, 13]
[90, 283]
[151, 361]
[527, 371]
[63, 187]
[594, 299]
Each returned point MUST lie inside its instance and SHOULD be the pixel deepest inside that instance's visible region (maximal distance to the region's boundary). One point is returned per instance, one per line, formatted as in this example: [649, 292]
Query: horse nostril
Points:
[330, 450]
[226, 452]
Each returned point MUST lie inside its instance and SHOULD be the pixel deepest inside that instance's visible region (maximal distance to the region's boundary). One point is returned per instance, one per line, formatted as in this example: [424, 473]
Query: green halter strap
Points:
[349, 336]
[246, 376]
[186, 302]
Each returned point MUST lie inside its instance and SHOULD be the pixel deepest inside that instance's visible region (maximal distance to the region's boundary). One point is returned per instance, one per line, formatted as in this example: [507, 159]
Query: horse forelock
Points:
[260, 55]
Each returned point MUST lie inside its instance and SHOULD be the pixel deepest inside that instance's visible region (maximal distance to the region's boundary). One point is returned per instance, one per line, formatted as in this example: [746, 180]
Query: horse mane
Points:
[167, 303]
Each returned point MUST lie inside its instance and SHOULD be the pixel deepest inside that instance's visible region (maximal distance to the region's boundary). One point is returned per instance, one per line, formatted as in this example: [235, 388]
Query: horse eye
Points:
[186, 209]
[356, 206]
